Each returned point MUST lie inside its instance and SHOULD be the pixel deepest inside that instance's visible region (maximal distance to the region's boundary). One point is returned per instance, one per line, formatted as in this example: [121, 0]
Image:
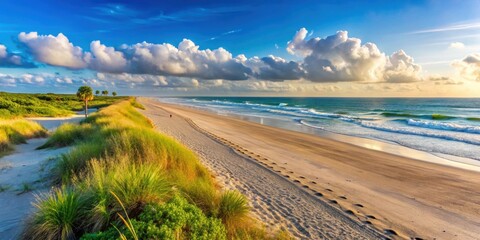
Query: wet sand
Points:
[401, 197]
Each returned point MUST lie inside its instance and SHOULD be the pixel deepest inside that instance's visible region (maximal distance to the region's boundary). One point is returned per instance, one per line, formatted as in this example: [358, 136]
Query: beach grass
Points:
[116, 150]
[17, 131]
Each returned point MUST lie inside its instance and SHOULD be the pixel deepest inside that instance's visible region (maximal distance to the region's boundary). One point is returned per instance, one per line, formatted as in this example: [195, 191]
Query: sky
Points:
[243, 48]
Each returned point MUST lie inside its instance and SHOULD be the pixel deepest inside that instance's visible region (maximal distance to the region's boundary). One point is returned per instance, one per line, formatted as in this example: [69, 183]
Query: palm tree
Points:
[97, 92]
[114, 94]
[85, 93]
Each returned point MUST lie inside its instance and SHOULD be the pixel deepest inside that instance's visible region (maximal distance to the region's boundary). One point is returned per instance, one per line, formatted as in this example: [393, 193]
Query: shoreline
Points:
[410, 197]
[369, 143]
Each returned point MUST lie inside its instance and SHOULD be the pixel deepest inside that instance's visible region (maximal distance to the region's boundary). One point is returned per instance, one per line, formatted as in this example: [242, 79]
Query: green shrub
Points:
[46, 105]
[176, 219]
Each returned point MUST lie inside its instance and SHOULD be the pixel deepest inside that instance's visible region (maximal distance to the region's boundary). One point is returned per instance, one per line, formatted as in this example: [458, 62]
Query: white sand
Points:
[26, 166]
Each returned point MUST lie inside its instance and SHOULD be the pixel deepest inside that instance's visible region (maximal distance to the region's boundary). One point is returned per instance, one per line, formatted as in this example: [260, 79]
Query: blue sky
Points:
[434, 34]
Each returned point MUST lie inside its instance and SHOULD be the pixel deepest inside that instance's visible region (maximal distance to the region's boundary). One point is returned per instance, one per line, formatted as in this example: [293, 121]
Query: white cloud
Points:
[106, 59]
[457, 45]
[341, 58]
[141, 58]
[55, 50]
[3, 51]
[469, 67]
[332, 59]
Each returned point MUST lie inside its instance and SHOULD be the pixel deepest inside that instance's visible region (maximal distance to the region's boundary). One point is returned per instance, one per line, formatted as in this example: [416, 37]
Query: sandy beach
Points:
[23, 175]
[324, 189]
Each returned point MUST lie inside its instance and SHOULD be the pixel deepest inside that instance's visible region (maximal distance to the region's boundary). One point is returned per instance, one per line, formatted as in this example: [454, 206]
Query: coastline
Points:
[411, 197]
[365, 141]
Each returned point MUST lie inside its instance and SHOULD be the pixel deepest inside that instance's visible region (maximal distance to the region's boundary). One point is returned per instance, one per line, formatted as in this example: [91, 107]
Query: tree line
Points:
[105, 93]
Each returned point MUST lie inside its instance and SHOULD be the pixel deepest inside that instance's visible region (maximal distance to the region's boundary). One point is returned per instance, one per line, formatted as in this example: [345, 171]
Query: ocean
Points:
[445, 127]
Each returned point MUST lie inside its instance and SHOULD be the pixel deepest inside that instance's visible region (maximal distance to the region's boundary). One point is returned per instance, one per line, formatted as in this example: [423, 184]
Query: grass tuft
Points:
[59, 215]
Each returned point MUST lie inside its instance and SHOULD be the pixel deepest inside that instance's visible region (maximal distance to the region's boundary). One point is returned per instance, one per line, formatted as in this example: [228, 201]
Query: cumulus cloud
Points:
[126, 80]
[186, 60]
[54, 50]
[469, 67]
[342, 58]
[8, 59]
[332, 59]
[274, 68]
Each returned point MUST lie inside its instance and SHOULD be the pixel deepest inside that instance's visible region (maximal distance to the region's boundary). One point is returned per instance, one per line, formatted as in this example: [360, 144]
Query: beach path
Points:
[22, 176]
[275, 200]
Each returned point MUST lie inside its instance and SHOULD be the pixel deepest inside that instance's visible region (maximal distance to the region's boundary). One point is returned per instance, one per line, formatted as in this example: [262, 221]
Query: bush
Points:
[176, 219]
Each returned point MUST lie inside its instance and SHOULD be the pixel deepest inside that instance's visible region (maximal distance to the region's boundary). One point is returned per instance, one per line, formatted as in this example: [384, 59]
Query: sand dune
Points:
[23, 175]
[400, 197]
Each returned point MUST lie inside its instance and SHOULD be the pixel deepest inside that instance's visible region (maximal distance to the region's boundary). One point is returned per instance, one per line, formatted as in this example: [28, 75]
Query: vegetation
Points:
[123, 179]
[14, 105]
[17, 131]
[85, 93]
[114, 94]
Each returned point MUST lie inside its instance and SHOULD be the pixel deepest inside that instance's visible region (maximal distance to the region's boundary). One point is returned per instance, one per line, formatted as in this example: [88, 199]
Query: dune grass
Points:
[46, 105]
[116, 150]
[17, 131]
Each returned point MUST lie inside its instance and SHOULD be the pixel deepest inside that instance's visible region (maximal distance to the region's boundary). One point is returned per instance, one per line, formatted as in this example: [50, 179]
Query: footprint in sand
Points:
[350, 212]
[313, 182]
[390, 232]
[305, 186]
[358, 205]
[302, 177]
[318, 194]
[328, 189]
[343, 197]
[371, 217]
[296, 181]
[333, 201]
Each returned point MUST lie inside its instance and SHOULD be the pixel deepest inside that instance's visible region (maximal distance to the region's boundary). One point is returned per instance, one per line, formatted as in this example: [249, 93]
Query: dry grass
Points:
[17, 131]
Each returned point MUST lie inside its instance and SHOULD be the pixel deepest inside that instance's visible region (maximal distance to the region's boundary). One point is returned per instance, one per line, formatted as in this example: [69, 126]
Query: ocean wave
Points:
[444, 126]
[424, 116]
[303, 122]
[407, 131]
